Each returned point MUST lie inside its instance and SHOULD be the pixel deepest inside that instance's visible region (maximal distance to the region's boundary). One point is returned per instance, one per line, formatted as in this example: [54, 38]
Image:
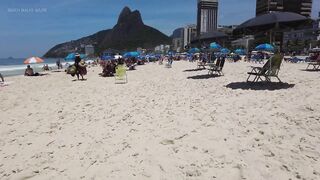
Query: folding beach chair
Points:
[121, 74]
[314, 64]
[270, 69]
[201, 64]
[216, 68]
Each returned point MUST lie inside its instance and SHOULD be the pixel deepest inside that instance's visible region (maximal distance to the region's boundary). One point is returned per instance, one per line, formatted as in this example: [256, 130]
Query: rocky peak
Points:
[129, 17]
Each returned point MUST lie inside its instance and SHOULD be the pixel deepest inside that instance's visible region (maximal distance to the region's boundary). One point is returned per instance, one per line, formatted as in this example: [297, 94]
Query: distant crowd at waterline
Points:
[213, 59]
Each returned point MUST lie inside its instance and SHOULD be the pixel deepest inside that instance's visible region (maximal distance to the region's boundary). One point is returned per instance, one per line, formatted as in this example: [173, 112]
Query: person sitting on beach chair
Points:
[270, 69]
[29, 72]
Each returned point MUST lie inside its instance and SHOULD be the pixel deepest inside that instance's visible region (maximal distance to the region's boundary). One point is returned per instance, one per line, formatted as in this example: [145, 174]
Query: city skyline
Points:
[32, 27]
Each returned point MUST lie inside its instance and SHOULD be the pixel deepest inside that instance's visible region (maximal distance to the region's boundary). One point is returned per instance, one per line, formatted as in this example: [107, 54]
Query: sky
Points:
[32, 27]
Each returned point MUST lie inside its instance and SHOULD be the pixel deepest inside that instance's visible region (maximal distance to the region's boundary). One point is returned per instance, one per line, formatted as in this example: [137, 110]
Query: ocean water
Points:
[15, 66]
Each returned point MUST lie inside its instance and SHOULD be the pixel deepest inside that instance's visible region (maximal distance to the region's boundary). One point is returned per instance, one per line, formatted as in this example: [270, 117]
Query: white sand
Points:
[161, 125]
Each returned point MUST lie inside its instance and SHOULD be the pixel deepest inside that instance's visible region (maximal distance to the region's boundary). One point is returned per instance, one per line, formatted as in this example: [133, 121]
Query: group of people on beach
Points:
[79, 68]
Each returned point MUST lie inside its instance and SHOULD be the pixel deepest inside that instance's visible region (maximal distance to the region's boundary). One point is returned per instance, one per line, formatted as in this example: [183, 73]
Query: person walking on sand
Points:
[76, 64]
[80, 65]
[58, 63]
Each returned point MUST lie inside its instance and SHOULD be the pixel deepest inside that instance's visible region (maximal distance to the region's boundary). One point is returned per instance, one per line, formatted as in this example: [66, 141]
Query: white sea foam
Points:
[13, 70]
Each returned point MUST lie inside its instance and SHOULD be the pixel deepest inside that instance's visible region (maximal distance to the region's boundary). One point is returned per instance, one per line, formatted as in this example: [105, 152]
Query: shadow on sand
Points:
[310, 70]
[192, 70]
[57, 71]
[259, 86]
[79, 80]
[204, 76]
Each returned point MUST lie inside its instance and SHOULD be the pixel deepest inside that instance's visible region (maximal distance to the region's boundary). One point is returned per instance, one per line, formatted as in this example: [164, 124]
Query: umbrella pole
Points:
[270, 37]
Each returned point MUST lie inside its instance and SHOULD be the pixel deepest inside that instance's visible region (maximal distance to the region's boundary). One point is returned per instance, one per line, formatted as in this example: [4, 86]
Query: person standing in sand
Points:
[1, 77]
[58, 63]
[76, 64]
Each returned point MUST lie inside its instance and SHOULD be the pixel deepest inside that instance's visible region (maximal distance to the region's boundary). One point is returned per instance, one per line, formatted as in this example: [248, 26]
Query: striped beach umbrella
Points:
[33, 60]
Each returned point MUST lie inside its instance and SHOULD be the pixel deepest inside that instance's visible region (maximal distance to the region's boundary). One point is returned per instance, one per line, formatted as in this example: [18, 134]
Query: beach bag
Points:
[72, 70]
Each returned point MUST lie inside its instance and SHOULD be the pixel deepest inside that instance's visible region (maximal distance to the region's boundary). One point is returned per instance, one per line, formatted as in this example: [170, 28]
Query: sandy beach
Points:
[165, 124]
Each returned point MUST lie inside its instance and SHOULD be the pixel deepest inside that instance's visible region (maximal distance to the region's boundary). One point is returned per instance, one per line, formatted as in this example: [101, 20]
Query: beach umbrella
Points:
[106, 57]
[194, 50]
[215, 46]
[240, 51]
[131, 54]
[72, 56]
[33, 60]
[265, 47]
[225, 51]
[171, 53]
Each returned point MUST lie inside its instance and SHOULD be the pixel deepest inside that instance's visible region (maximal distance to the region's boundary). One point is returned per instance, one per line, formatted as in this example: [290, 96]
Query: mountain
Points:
[129, 33]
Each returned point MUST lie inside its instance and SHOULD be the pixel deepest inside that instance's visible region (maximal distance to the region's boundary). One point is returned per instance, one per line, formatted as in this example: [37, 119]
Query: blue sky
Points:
[45, 23]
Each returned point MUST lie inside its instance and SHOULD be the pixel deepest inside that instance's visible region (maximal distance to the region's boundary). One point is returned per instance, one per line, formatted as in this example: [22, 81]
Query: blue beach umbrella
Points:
[225, 51]
[171, 53]
[240, 51]
[107, 57]
[215, 46]
[72, 56]
[194, 50]
[265, 47]
[131, 54]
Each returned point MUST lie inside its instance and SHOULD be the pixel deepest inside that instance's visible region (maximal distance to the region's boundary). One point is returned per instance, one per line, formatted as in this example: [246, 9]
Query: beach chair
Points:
[121, 74]
[270, 69]
[201, 65]
[314, 64]
[216, 68]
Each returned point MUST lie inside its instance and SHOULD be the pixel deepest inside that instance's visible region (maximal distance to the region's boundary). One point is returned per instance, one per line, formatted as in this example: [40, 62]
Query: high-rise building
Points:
[265, 6]
[318, 23]
[89, 50]
[207, 17]
[189, 33]
[303, 7]
[177, 39]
